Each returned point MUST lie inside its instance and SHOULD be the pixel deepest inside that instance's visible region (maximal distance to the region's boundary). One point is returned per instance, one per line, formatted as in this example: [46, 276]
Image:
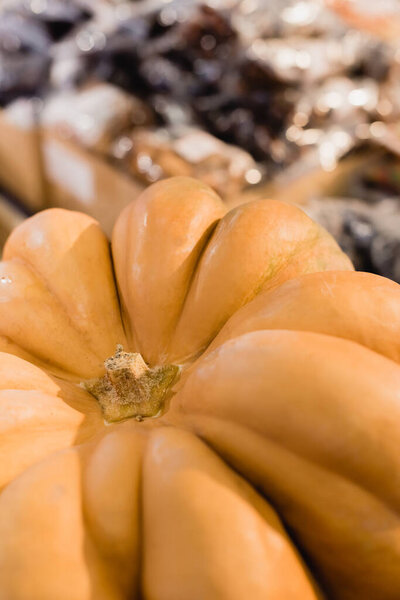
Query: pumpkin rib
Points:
[361, 307]
[151, 304]
[184, 472]
[208, 234]
[23, 375]
[252, 292]
[43, 359]
[118, 296]
[297, 419]
[27, 438]
[326, 513]
[64, 308]
[122, 224]
[29, 245]
[208, 238]
[115, 454]
[96, 480]
[8, 346]
[44, 504]
[208, 428]
[252, 262]
[39, 415]
[220, 435]
[84, 455]
[276, 360]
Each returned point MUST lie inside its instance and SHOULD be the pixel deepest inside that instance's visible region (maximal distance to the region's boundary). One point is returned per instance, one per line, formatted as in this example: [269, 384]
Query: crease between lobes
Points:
[96, 516]
[177, 302]
[152, 296]
[327, 515]
[63, 286]
[153, 502]
[287, 482]
[324, 454]
[54, 342]
[232, 270]
[191, 282]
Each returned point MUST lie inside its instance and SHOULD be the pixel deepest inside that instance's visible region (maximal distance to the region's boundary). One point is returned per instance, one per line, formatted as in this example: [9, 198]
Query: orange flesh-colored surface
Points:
[274, 472]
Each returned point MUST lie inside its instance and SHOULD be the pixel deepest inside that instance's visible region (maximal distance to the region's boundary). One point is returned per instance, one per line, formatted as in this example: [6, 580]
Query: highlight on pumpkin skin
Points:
[256, 246]
[156, 244]
[299, 423]
[182, 267]
[39, 414]
[62, 287]
[362, 307]
[199, 265]
[72, 523]
[227, 542]
[313, 421]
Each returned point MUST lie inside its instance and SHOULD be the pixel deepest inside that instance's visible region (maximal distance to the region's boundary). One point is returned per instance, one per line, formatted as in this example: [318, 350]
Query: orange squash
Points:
[222, 423]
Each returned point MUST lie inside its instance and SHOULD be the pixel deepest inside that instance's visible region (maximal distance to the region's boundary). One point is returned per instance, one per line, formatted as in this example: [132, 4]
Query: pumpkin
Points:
[221, 423]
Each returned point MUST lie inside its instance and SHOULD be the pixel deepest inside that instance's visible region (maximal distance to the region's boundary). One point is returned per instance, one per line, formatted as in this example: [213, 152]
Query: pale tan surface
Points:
[21, 171]
[278, 447]
[112, 189]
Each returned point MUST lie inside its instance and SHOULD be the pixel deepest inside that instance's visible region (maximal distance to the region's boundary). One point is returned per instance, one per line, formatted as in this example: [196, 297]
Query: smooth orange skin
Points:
[361, 307]
[287, 409]
[62, 276]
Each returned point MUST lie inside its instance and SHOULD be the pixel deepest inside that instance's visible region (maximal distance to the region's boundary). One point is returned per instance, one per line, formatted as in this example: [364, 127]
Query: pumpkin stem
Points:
[130, 388]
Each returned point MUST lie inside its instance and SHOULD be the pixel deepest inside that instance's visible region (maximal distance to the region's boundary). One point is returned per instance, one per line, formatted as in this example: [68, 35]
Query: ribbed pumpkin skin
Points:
[287, 409]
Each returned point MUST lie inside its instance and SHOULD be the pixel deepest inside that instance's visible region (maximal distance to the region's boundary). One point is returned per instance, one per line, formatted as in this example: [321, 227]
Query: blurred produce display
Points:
[281, 82]
[369, 234]
[251, 96]
[28, 31]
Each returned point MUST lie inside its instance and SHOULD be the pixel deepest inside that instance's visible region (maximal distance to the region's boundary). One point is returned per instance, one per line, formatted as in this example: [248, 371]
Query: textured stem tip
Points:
[130, 388]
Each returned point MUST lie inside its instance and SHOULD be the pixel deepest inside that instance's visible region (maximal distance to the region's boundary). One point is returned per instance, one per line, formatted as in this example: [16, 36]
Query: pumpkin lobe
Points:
[130, 388]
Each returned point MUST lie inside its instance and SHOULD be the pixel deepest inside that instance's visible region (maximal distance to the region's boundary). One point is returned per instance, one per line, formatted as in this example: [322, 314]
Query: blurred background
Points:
[292, 99]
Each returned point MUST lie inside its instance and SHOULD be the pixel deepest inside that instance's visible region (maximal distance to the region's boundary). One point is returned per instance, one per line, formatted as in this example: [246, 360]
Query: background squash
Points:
[270, 466]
